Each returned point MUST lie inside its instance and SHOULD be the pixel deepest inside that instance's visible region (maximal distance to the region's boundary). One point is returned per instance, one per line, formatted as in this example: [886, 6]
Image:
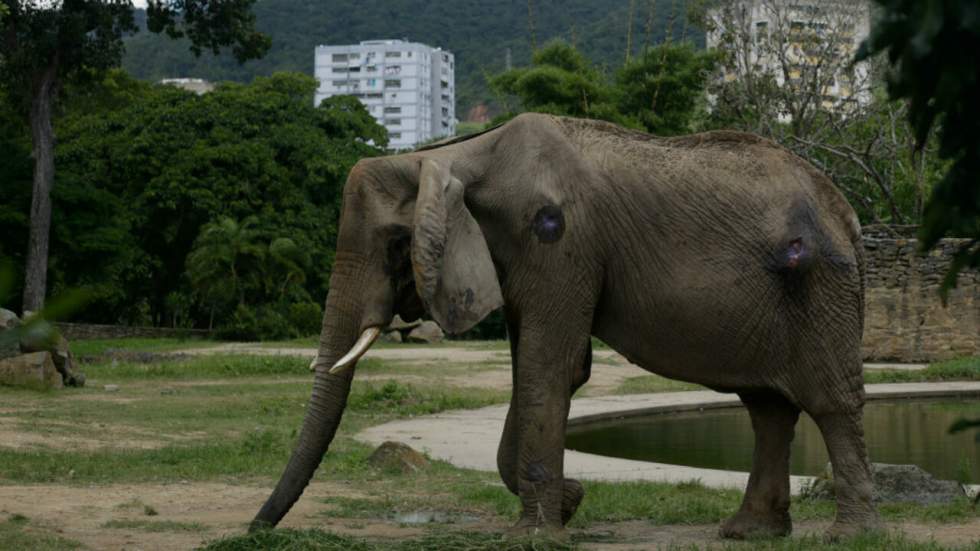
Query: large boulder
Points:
[427, 332]
[35, 370]
[399, 457]
[896, 484]
[9, 346]
[43, 337]
[392, 336]
[398, 324]
[8, 319]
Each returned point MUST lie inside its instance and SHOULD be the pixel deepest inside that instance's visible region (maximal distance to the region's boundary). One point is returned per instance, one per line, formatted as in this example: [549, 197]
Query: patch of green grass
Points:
[155, 525]
[962, 369]
[319, 540]
[393, 397]
[443, 540]
[200, 367]
[646, 384]
[17, 532]
[96, 347]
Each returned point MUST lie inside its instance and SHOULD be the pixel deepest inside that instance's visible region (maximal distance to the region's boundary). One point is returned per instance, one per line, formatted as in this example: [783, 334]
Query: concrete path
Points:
[434, 354]
[469, 438]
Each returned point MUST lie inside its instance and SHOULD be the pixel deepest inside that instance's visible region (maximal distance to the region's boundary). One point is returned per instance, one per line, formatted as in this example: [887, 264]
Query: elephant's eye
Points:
[548, 224]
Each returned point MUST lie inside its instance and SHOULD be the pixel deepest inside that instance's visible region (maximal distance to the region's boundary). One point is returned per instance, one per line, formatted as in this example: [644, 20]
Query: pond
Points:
[904, 431]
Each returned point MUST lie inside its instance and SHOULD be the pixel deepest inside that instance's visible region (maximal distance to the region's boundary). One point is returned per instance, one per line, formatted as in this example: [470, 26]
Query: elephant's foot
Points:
[747, 525]
[527, 529]
[572, 495]
[842, 530]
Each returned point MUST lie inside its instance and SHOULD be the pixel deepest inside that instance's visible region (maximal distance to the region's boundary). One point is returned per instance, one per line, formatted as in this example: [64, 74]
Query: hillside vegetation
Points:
[477, 32]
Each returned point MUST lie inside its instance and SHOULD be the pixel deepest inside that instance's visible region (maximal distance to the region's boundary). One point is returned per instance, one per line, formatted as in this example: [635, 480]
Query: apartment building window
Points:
[395, 135]
[393, 122]
[340, 69]
[393, 69]
[393, 54]
[392, 83]
[393, 109]
[339, 57]
[372, 82]
[409, 54]
[352, 57]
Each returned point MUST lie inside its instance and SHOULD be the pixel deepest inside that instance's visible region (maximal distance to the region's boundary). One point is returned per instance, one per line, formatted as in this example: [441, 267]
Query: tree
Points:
[51, 43]
[560, 81]
[931, 46]
[663, 87]
[788, 73]
[226, 255]
[785, 65]
[142, 168]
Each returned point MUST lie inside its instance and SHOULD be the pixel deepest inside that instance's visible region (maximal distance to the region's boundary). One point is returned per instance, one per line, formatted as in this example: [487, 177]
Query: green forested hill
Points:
[478, 32]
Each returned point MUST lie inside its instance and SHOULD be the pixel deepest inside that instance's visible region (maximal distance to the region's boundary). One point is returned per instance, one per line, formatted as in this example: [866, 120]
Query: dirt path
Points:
[207, 511]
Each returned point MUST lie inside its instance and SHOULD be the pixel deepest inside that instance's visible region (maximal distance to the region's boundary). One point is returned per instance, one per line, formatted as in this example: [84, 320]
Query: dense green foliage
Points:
[478, 33]
[659, 91]
[247, 178]
[932, 47]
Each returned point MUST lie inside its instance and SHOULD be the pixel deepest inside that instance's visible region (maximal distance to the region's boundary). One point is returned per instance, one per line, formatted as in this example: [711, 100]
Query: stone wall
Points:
[905, 320]
[73, 331]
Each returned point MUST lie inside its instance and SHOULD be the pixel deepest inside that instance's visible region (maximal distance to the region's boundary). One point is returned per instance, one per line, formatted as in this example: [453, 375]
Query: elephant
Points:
[717, 258]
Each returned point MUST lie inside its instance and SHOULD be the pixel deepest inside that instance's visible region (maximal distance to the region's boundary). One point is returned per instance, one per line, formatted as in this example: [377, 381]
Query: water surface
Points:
[903, 431]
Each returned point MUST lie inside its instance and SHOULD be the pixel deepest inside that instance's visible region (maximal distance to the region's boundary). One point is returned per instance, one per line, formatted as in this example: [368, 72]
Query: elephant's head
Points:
[407, 243]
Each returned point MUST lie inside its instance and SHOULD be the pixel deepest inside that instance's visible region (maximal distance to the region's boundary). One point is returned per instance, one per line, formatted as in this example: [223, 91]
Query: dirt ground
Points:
[79, 513]
[218, 509]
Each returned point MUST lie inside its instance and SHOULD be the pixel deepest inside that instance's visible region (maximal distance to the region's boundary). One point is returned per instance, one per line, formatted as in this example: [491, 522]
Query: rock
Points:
[111, 388]
[398, 456]
[895, 484]
[392, 336]
[35, 370]
[8, 319]
[428, 332]
[45, 338]
[398, 324]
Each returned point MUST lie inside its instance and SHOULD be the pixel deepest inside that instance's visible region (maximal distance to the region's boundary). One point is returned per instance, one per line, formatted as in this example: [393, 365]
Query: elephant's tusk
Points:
[313, 362]
[360, 347]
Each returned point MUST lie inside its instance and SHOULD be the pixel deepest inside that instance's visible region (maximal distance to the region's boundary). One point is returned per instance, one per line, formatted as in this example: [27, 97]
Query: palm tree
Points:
[218, 265]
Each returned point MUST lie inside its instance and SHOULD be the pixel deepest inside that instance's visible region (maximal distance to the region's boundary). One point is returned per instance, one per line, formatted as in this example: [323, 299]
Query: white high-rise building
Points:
[408, 87]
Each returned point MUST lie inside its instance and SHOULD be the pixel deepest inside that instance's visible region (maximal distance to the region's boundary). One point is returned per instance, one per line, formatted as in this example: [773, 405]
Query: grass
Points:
[319, 540]
[97, 347]
[646, 384]
[962, 369]
[155, 525]
[18, 532]
[234, 419]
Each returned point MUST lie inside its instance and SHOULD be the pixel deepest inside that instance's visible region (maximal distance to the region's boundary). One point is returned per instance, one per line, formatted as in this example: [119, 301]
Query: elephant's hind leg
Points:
[765, 508]
[844, 435]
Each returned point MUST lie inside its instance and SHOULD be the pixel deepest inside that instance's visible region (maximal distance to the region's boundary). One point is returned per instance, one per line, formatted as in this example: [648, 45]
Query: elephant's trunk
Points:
[341, 326]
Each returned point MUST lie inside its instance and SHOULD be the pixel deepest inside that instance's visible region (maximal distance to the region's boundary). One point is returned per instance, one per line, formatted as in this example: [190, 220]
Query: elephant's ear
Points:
[454, 274]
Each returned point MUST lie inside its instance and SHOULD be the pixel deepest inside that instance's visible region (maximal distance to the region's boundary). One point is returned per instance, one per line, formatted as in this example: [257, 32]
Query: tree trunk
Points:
[42, 136]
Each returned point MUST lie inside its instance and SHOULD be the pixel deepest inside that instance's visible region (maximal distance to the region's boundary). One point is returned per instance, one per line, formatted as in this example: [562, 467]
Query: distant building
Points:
[793, 38]
[197, 85]
[408, 87]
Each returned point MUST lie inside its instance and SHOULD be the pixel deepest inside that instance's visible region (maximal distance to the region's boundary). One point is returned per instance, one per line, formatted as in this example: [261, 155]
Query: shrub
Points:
[305, 318]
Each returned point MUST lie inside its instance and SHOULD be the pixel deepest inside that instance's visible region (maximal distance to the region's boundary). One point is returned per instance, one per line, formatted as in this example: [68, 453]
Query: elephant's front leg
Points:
[507, 453]
[543, 379]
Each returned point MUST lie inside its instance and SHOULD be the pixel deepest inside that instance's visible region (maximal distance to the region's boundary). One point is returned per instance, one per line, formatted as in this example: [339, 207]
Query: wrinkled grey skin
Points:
[719, 258]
